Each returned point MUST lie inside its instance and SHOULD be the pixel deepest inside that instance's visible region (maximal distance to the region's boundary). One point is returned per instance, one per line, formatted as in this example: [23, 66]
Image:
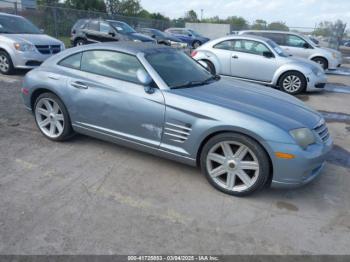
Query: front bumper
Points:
[335, 63]
[304, 168]
[316, 83]
[28, 60]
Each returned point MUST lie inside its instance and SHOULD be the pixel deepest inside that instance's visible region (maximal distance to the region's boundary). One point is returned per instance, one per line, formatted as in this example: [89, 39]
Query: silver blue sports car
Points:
[157, 99]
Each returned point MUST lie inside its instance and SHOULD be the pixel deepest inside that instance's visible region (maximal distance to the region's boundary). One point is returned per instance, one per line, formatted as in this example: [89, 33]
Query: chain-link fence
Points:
[58, 21]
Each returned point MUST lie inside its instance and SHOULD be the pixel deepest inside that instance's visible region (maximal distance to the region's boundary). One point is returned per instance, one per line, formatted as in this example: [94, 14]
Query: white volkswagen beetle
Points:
[260, 60]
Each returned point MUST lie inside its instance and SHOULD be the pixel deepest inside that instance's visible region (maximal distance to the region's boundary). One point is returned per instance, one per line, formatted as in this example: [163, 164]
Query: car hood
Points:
[173, 38]
[330, 50]
[304, 62]
[141, 37]
[35, 39]
[262, 102]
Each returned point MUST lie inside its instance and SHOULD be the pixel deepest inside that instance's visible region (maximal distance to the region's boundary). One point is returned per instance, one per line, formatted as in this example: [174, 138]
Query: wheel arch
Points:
[241, 132]
[322, 57]
[210, 57]
[278, 77]
[37, 92]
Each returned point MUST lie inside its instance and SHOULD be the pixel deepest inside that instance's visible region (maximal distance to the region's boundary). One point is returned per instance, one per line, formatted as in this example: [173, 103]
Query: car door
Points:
[297, 46]
[223, 52]
[91, 31]
[248, 61]
[107, 99]
[107, 33]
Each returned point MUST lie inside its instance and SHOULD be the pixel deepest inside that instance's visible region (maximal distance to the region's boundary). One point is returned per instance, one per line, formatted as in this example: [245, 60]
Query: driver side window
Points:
[295, 41]
[105, 28]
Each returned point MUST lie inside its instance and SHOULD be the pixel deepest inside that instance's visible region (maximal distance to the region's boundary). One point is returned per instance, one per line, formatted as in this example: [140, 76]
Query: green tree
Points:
[237, 22]
[259, 24]
[191, 16]
[124, 7]
[91, 5]
[280, 26]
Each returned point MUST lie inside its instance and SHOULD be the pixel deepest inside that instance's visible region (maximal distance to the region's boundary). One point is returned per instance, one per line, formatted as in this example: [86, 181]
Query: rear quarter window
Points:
[72, 61]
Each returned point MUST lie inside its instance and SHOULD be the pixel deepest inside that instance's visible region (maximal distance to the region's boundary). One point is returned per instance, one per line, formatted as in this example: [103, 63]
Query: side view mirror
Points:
[306, 45]
[268, 54]
[111, 34]
[144, 78]
[190, 35]
[153, 36]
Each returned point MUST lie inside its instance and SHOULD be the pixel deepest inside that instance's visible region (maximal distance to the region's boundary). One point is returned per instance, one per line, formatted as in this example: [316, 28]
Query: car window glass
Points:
[111, 64]
[105, 27]
[277, 38]
[93, 25]
[252, 47]
[295, 41]
[72, 61]
[225, 45]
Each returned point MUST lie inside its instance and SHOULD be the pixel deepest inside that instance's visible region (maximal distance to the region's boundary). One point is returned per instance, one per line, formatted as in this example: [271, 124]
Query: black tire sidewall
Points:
[211, 67]
[300, 76]
[324, 62]
[255, 147]
[67, 129]
[196, 42]
[11, 68]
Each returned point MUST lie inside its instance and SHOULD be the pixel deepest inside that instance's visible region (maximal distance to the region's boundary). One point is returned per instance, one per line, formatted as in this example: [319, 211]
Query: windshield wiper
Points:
[197, 83]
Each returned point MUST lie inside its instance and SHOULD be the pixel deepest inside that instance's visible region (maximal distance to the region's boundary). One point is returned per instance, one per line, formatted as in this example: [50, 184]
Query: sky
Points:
[296, 13]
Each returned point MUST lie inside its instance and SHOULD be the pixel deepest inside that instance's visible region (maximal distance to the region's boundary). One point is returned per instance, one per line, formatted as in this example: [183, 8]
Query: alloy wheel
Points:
[232, 166]
[4, 63]
[49, 117]
[292, 83]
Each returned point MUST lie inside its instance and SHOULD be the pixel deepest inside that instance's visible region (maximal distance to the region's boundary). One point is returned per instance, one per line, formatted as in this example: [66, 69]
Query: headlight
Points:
[136, 40]
[24, 47]
[303, 136]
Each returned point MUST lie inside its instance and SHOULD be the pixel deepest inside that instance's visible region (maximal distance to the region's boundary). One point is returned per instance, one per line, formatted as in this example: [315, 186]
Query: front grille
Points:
[33, 63]
[320, 85]
[322, 131]
[48, 49]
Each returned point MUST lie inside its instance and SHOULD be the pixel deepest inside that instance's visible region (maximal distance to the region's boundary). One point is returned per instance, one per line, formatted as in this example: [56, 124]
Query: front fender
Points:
[290, 67]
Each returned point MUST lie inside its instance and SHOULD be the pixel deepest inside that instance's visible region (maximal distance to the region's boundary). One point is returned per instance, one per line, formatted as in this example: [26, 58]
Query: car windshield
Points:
[17, 25]
[312, 40]
[178, 70]
[122, 27]
[158, 33]
[277, 48]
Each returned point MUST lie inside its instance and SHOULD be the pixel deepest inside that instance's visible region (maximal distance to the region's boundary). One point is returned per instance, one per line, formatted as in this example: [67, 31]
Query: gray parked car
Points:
[23, 45]
[260, 60]
[159, 100]
[302, 46]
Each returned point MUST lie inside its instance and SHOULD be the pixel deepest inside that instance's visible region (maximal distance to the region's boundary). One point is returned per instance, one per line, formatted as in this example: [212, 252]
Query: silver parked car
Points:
[302, 46]
[260, 60]
[159, 100]
[23, 45]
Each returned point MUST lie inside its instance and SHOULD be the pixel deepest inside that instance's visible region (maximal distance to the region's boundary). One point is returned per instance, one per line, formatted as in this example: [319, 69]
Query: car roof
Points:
[128, 47]
[10, 15]
[248, 37]
[270, 31]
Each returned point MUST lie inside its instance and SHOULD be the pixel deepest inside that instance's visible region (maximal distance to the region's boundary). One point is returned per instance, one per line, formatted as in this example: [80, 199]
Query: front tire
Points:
[211, 67]
[235, 164]
[52, 118]
[321, 61]
[6, 65]
[292, 83]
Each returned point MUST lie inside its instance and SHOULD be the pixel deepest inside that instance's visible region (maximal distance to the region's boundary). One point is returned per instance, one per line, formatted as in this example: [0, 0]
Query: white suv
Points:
[301, 46]
[23, 45]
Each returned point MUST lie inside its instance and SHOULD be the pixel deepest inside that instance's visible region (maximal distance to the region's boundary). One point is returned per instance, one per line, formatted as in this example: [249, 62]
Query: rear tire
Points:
[235, 164]
[211, 67]
[196, 44]
[52, 118]
[292, 82]
[321, 61]
[6, 65]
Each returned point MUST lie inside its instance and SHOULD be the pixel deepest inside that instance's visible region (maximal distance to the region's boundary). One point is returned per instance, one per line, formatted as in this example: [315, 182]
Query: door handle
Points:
[79, 85]
[235, 57]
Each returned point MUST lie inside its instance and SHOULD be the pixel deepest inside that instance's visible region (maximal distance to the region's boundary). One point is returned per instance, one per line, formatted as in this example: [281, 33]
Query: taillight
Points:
[25, 91]
[194, 53]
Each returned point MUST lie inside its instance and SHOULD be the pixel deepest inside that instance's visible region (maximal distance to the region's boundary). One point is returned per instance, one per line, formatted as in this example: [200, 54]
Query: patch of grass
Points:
[65, 40]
